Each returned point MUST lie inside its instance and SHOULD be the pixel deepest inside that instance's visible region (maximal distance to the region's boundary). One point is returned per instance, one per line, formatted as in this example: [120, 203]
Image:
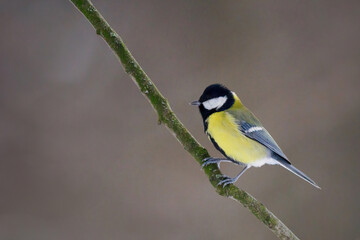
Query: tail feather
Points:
[291, 168]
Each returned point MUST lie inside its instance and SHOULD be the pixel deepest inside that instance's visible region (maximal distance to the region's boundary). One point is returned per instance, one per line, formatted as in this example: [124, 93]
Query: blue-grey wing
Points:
[259, 134]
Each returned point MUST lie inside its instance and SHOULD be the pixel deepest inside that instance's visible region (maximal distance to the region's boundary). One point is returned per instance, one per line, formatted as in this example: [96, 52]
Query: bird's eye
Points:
[215, 103]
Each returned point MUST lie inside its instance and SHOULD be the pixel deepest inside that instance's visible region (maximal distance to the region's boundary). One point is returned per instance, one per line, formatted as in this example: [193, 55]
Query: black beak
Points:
[195, 103]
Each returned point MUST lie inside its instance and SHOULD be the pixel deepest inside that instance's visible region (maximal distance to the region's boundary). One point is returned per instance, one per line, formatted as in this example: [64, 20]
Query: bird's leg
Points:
[211, 160]
[227, 180]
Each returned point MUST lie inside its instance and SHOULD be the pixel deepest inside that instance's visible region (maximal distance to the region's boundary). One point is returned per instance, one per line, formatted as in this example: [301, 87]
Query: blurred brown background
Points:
[82, 156]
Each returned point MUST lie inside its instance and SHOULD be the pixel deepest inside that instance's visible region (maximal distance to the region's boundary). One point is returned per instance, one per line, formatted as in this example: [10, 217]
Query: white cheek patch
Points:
[215, 103]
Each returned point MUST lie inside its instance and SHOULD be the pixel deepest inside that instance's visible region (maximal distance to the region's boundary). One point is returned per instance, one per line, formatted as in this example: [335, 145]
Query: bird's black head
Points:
[215, 98]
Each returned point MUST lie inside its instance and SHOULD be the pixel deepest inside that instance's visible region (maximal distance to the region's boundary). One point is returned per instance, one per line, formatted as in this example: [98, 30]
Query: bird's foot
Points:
[227, 180]
[211, 160]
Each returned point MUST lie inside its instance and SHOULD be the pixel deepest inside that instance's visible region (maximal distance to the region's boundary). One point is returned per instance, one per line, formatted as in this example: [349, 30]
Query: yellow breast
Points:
[224, 130]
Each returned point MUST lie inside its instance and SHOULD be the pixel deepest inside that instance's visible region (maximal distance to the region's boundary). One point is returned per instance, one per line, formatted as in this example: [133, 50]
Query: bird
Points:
[236, 132]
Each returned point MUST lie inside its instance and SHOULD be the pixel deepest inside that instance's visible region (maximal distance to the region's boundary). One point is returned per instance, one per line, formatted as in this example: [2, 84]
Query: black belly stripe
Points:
[205, 125]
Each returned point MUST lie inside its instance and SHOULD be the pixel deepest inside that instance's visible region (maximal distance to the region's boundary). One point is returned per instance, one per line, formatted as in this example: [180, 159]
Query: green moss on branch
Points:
[168, 117]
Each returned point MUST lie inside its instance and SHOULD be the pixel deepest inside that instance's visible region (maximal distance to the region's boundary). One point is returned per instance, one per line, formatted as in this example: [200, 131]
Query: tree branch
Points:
[168, 117]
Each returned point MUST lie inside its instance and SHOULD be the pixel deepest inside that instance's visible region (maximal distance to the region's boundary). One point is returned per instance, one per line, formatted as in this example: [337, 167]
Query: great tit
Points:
[238, 134]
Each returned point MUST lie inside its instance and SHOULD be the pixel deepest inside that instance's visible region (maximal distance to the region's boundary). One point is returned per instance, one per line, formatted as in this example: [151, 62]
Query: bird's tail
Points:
[294, 170]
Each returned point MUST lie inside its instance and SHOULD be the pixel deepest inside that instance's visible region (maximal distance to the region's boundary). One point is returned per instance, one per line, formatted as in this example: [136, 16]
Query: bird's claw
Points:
[207, 159]
[226, 181]
[210, 160]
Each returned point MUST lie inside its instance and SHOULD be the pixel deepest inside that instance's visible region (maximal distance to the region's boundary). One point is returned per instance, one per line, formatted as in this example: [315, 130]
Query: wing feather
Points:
[256, 131]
